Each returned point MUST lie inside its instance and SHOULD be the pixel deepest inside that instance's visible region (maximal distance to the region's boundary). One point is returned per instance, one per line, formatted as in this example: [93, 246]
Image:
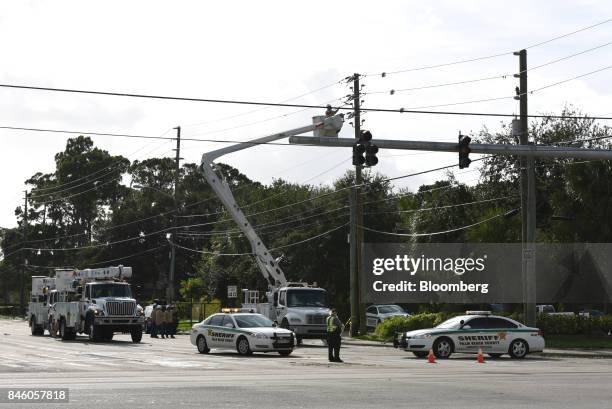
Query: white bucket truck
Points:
[299, 307]
[97, 302]
[38, 306]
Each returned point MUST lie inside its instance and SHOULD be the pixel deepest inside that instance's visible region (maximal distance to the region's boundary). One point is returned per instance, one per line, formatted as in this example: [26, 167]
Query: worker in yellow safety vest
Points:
[334, 330]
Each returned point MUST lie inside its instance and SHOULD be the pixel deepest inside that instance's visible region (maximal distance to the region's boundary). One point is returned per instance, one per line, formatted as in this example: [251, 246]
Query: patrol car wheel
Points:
[420, 354]
[518, 349]
[443, 348]
[243, 347]
[202, 346]
[285, 353]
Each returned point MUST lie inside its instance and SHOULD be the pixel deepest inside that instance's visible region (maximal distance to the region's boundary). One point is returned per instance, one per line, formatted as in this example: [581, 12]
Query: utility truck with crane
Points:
[38, 306]
[97, 302]
[297, 306]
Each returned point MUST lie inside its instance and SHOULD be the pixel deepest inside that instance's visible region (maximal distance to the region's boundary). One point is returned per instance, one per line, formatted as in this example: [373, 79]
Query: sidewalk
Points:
[570, 353]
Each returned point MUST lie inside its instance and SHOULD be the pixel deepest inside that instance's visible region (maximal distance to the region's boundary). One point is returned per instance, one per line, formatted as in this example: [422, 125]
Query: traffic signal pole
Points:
[534, 151]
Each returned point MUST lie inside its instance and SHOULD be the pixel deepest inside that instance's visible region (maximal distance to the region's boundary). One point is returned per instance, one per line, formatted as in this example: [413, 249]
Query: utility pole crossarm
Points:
[543, 151]
[266, 263]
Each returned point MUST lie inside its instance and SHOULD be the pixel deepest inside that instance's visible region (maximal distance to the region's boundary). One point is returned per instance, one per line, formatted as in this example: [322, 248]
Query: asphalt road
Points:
[162, 373]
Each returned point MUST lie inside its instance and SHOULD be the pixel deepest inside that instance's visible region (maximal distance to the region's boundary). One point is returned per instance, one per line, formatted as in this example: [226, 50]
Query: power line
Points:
[105, 261]
[499, 76]
[437, 233]
[384, 74]
[272, 249]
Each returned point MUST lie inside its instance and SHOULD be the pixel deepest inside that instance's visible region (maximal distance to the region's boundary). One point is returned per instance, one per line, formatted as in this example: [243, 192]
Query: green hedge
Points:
[574, 324]
[550, 324]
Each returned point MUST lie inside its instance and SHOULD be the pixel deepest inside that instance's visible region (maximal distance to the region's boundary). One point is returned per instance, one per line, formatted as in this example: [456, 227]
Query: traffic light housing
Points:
[464, 151]
[365, 146]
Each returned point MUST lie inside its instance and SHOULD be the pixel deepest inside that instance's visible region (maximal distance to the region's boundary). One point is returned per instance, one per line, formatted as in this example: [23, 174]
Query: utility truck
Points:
[298, 306]
[38, 306]
[97, 302]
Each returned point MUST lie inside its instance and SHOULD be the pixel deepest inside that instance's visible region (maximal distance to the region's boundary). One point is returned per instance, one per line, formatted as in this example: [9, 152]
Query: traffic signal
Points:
[358, 151]
[364, 145]
[370, 158]
[464, 151]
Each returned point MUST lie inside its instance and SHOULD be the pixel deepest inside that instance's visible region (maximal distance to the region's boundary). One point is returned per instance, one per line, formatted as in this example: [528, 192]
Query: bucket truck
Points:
[297, 306]
[38, 306]
[97, 302]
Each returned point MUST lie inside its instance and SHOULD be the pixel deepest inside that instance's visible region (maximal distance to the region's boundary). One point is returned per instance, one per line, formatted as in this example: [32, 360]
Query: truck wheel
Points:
[202, 345]
[285, 353]
[298, 340]
[243, 347]
[94, 331]
[136, 335]
[63, 331]
[108, 335]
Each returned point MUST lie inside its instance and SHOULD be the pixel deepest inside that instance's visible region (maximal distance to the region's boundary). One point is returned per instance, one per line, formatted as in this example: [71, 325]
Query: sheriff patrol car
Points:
[245, 332]
[468, 333]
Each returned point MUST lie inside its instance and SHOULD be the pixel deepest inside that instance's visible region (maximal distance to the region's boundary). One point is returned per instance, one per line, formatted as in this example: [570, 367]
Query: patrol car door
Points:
[213, 331]
[471, 336]
[501, 330]
[228, 338]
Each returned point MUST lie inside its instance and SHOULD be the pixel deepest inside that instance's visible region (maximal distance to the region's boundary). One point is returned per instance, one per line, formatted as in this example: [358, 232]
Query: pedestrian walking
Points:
[334, 339]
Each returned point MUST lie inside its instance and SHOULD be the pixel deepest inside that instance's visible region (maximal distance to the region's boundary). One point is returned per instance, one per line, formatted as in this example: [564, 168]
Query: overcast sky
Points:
[274, 51]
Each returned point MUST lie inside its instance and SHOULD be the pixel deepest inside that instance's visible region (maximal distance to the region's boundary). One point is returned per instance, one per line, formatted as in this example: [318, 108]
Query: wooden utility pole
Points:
[177, 169]
[528, 201]
[24, 228]
[356, 221]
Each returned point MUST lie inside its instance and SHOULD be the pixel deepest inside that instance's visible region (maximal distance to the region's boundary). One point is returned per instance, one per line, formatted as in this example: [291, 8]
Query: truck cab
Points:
[97, 302]
[303, 310]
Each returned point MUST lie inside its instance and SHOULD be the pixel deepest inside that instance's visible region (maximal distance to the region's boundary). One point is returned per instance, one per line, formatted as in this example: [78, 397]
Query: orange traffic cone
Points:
[431, 358]
[480, 357]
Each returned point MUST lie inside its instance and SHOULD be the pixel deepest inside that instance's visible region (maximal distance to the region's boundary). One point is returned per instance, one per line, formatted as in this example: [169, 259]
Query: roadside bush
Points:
[574, 324]
[387, 329]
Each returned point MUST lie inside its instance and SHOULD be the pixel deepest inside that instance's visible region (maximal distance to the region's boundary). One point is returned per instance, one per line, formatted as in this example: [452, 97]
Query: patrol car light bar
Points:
[478, 312]
[226, 310]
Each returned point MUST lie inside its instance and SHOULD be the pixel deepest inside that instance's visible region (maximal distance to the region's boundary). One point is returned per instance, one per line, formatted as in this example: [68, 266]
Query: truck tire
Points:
[64, 332]
[285, 353]
[107, 335]
[136, 335]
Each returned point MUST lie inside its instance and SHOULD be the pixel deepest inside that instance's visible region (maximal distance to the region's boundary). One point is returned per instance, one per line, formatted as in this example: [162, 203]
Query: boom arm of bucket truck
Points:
[267, 264]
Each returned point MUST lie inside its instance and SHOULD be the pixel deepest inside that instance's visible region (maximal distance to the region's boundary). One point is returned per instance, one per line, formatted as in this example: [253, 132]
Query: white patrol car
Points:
[468, 333]
[245, 332]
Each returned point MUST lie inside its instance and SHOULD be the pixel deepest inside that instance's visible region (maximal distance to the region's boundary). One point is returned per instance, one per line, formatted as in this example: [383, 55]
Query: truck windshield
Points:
[110, 290]
[252, 321]
[306, 298]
